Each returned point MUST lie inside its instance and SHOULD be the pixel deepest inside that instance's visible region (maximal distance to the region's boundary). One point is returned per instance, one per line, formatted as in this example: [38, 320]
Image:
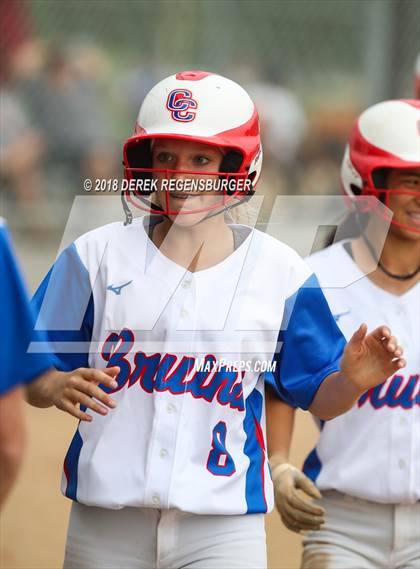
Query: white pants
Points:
[363, 535]
[145, 538]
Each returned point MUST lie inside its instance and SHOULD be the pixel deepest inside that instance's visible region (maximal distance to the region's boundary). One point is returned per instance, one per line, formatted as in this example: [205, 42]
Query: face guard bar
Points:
[384, 195]
[142, 186]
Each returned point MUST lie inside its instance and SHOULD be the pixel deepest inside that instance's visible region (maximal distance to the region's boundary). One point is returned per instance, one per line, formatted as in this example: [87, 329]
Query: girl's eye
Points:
[164, 157]
[410, 182]
[201, 160]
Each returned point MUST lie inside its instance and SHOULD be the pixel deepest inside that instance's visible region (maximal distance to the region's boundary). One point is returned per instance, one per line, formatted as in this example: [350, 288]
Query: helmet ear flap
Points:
[139, 155]
[356, 190]
[231, 162]
[379, 177]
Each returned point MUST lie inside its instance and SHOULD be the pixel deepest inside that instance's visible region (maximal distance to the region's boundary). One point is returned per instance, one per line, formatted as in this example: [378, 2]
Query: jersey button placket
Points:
[166, 422]
[186, 283]
[169, 406]
[186, 314]
[161, 454]
[400, 456]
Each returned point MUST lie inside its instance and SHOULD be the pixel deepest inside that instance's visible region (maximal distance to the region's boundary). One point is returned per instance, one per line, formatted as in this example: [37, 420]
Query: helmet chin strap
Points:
[129, 213]
[377, 259]
[228, 207]
[126, 208]
[157, 209]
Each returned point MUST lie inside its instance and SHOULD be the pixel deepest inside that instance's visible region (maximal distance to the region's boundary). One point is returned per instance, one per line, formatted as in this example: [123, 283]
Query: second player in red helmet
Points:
[385, 137]
[366, 462]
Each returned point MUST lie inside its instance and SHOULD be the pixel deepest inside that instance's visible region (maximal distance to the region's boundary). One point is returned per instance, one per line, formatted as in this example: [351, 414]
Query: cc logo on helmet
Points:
[180, 102]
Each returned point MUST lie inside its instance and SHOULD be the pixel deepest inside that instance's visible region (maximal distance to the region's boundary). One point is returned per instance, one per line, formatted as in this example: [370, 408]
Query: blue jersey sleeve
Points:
[311, 346]
[17, 364]
[65, 310]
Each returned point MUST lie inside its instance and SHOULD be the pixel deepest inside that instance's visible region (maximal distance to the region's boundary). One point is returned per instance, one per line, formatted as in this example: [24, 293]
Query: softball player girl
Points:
[171, 471]
[367, 461]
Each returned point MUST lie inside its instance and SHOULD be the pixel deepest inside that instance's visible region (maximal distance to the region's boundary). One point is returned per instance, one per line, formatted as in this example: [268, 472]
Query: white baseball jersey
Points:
[183, 436]
[372, 451]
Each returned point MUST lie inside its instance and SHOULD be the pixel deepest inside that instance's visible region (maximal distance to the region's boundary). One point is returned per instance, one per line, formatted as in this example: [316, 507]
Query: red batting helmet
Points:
[385, 136]
[202, 107]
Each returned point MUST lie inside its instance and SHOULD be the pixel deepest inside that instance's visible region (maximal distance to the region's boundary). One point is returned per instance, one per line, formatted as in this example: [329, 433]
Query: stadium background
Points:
[71, 79]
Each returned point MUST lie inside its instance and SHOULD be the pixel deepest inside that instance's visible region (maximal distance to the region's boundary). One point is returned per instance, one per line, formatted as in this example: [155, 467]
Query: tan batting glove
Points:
[296, 513]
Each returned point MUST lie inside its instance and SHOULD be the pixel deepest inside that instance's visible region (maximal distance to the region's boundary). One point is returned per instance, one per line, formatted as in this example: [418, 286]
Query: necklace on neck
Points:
[372, 251]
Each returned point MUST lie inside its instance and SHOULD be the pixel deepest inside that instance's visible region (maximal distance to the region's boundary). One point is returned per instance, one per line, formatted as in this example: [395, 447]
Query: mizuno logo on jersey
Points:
[169, 372]
[118, 289]
[338, 316]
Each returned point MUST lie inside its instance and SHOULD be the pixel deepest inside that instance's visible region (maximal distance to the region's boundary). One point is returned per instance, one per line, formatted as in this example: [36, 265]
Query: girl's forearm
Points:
[39, 392]
[280, 422]
[335, 396]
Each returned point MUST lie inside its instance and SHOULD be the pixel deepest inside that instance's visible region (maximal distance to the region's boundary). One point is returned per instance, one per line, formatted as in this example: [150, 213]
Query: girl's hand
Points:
[296, 513]
[369, 359]
[81, 387]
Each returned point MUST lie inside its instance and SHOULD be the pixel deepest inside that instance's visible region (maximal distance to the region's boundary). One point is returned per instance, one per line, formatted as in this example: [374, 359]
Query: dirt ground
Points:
[33, 523]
